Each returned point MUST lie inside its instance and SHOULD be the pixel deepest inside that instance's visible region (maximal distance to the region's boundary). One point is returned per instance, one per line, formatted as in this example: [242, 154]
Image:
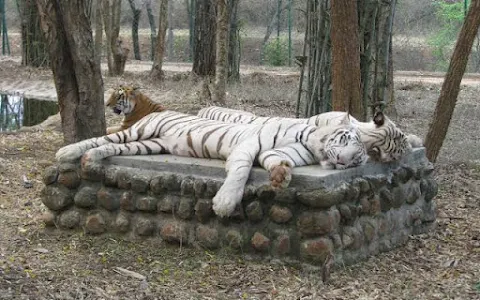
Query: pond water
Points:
[17, 111]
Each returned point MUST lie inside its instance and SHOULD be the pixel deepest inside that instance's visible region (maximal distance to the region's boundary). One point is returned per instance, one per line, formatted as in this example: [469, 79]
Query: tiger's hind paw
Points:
[226, 200]
[68, 153]
[280, 176]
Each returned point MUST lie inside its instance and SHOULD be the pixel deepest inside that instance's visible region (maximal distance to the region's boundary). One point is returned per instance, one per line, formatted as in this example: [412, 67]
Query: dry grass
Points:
[38, 263]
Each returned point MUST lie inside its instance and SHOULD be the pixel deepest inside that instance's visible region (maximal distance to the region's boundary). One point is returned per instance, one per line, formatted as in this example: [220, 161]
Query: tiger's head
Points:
[122, 100]
[385, 141]
[342, 146]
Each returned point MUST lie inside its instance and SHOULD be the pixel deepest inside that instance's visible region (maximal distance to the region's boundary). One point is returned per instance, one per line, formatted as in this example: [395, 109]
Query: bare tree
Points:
[219, 93]
[34, 48]
[170, 36]
[153, 30]
[136, 11]
[190, 5]
[204, 38]
[116, 52]
[98, 30]
[375, 19]
[78, 79]
[274, 16]
[451, 86]
[233, 42]
[345, 58]
[157, 71]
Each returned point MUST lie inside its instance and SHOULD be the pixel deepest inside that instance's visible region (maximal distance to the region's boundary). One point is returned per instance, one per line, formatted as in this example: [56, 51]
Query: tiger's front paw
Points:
[226, 200]
[280, 176]
[68, 153]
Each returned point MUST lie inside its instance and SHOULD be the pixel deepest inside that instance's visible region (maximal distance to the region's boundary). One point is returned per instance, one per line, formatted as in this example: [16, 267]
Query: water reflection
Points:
[17, 111]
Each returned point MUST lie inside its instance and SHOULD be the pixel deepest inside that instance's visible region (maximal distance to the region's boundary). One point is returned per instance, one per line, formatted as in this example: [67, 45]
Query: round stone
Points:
[324, 198]
[207, 237]
[147, 203]
[95, 224]
[260, 242]
[108, 198]
[280, 214]
[234, 239]
[122, 222]
[50, 175]
[254, 211]
[144, 226]
[86, 197]
[140, 183]
[186, 207]
[187, 186]
[48, 218]
[317, 250]
[174, 231]
[56, 197]
[69, 219]
[317, 223]
[203, 210]
[69, 179]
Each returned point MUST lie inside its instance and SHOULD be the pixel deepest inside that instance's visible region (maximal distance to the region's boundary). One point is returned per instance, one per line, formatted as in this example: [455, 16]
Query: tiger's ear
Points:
[379, 118]
[135, 90]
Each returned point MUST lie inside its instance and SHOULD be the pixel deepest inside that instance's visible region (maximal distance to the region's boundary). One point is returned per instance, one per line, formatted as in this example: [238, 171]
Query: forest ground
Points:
[40, 263]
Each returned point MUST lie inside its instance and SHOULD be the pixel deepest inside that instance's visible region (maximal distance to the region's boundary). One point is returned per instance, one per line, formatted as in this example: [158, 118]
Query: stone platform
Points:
[350, 214]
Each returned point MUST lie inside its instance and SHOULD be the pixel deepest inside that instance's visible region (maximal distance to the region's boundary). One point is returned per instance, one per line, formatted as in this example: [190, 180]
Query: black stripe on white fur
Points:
[239, 144]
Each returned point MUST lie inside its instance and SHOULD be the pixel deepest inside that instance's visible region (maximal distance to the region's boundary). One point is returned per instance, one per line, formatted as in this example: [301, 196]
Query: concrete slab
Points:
[310, 177]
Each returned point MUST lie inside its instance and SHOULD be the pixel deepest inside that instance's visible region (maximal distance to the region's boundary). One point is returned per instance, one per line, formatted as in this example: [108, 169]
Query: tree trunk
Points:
[451, 86]
[374, 26]
[233, 43]
[204, 43]
[78, 79]
[153, 30]
[120, 54]
[34, 47]
[116, 57]
[157, 71]
[88, 9]
[274, 17]
[98, 31]
[381, 96]
[3, 30]
[136, 19]
[190, 4]
[345, 58]
[219, 93]
[390, 107]
[316, 60]
[170, 36]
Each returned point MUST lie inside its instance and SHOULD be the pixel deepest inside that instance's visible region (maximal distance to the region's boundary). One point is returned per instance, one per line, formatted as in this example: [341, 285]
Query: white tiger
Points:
[384, 141]
[274, 146]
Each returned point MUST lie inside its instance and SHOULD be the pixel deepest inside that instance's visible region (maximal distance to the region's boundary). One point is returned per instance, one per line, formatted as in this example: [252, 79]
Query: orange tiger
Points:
[133, 104]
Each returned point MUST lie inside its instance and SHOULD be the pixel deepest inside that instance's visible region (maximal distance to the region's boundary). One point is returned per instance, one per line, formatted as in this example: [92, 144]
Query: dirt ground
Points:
[40, 263]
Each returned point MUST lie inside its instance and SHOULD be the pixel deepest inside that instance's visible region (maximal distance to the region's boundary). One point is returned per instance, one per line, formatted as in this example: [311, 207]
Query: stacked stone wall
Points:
[350, 214]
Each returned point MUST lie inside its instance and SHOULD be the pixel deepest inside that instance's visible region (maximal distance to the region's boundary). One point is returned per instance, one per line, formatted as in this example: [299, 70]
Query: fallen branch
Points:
[129, 273]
